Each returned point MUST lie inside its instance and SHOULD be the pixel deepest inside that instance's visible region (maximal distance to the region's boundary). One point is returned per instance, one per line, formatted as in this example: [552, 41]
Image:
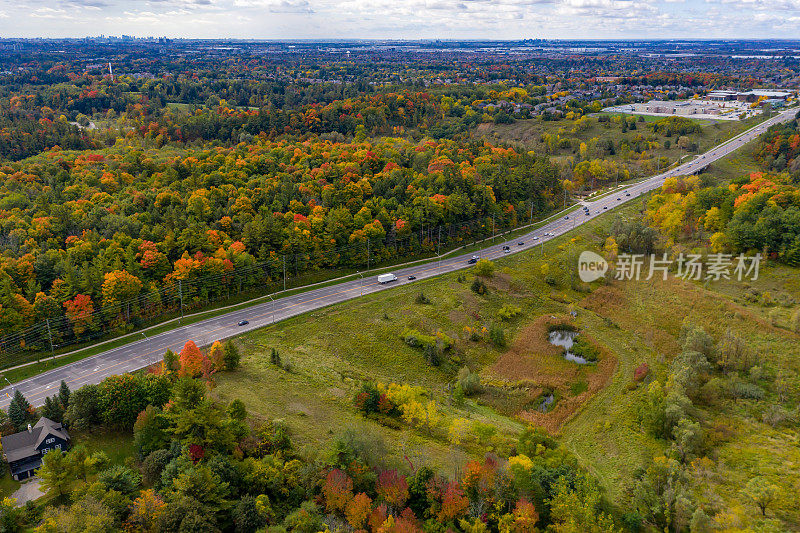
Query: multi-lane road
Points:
[148, 350]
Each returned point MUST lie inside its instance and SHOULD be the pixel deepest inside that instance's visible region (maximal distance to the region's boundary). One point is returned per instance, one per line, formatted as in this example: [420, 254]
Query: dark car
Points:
[243, 322]
[605, 207]
[587, 213]
[520, 243]
[472, 261]
[412, 278]
[506, 247]
[618, 199]
[566, 217]
[627, 194]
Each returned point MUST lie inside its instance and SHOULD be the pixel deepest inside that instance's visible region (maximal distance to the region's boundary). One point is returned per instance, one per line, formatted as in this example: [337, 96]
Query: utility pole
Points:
[180, 292]
[273, 308]
[438, 251]
[50, 335]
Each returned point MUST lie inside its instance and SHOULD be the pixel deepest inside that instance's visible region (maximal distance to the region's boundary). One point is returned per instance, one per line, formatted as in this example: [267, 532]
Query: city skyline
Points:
[414, 19]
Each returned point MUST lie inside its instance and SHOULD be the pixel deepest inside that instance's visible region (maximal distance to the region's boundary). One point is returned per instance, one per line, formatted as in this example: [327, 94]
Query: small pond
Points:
[547, 401]
[565, 339]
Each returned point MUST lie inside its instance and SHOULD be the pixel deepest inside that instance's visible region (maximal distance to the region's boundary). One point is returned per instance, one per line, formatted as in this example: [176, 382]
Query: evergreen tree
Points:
[231, 356]
[19, 411]
[63, 394]
[53, 409]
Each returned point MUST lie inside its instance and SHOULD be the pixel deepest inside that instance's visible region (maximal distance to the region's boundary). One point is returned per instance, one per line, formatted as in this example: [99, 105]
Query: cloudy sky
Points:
[447, 19]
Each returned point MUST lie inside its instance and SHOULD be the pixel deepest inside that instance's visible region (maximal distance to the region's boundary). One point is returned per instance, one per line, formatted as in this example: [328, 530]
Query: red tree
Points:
[191, 360]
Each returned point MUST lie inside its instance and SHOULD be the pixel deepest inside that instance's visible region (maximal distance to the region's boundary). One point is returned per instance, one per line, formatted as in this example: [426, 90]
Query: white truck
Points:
[386, 278]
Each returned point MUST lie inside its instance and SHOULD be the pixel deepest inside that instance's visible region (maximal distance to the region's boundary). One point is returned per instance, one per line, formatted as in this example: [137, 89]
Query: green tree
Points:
[762, 493]
[52, 409]
[11, 516]
[577, 508]
[171, 363]
[63, 394]
[237, 410]
[120, 478]
[84, 408]
[198, 483]
[230, 356]
[246, 515]
[688, 438]
[150, 431]
[57, 473]
[19, 411]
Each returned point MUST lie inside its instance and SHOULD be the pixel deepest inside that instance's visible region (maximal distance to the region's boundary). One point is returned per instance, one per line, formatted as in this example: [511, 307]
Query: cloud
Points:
[404, 19]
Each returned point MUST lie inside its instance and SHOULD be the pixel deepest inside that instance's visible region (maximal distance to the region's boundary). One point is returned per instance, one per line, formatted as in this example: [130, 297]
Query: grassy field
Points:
[529, 134]
[360, 340]
[333, 350]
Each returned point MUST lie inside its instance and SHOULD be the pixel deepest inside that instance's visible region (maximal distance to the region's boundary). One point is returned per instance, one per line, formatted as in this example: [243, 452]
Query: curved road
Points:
[146, 351]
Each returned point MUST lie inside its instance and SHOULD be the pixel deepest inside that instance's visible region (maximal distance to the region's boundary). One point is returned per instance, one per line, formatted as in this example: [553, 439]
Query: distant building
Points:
[721, 96]
[23, 451]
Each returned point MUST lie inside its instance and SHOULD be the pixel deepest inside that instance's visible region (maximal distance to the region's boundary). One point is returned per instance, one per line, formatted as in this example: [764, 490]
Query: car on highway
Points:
[618, 199]
[605, 207]
[566, 217]
[472, 261]
[506, 251]
[627, 194]
[412, 277]
[587, 213]
[520, 243]
[243, 322]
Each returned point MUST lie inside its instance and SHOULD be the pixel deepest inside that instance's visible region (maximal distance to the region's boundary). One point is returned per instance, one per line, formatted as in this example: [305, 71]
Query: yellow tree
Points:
[120, 287]
[216, 355]
[146, 512]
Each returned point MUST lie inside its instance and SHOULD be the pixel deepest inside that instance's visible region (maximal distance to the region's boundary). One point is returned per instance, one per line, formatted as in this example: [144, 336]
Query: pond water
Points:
[547, 401]
[565, 339]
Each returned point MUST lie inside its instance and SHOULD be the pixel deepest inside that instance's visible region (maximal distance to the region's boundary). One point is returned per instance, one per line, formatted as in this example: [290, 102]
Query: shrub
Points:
[583, 348]
[479, 287]
[641, 372]
[415, 339]
[509, 311]
[484, 268]
[579, 387]
[748, 391]
[497, 336]
[469, 382]
[367, 398]
[421, 299]
[275, 357]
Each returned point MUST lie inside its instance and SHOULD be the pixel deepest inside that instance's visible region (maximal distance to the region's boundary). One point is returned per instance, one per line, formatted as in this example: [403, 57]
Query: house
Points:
[23, 451]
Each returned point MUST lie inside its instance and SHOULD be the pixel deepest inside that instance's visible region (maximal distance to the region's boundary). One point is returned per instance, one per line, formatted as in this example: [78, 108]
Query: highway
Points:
[148, 350]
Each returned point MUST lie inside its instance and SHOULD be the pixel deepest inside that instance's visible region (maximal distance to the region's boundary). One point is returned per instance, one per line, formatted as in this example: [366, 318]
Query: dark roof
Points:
[25, 443]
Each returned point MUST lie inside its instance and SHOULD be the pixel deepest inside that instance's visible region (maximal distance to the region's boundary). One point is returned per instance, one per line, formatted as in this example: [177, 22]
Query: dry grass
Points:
[535, 364]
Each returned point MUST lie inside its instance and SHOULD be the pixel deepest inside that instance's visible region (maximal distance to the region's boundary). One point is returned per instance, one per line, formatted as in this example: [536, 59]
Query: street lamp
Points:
[361, 282]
